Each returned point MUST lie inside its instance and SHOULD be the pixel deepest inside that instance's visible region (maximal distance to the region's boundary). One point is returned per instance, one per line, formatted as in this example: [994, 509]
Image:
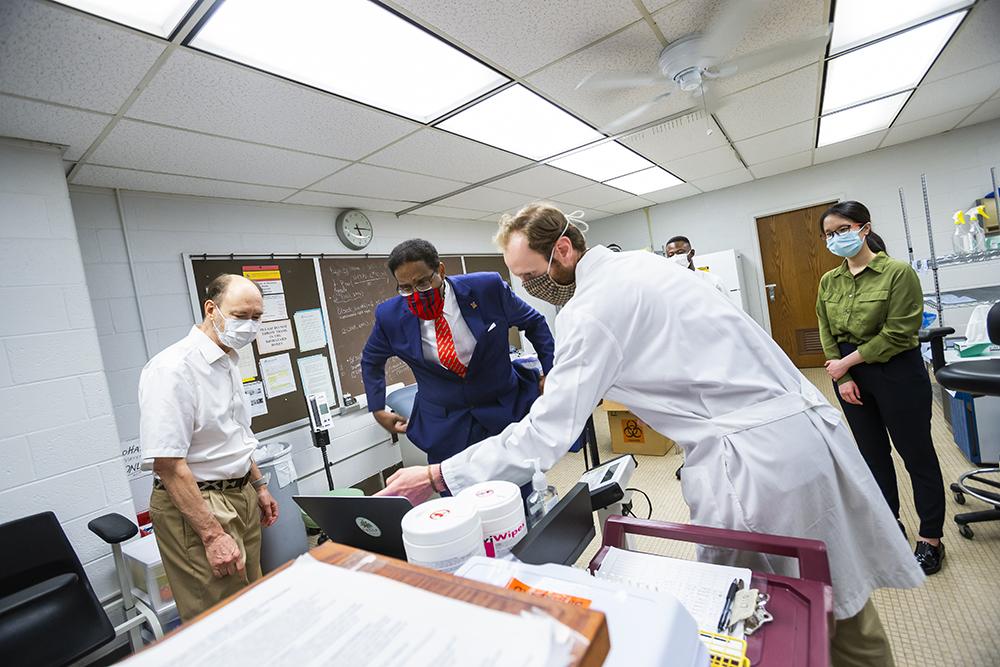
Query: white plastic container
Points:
[442, 534]
[149, 581]
[502, 513]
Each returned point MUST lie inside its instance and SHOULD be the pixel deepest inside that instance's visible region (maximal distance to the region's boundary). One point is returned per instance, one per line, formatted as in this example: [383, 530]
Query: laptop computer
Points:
[369, 523]
[562, 534]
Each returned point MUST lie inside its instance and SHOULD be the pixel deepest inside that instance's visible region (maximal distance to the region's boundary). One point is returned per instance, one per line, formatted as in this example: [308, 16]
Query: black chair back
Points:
[993, 323]
[49, 614]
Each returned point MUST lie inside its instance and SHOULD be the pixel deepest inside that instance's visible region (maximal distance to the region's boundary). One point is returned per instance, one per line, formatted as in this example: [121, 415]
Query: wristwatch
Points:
[259, 483]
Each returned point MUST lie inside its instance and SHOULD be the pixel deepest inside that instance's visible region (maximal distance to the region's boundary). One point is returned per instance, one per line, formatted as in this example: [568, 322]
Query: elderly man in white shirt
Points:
[209, 499]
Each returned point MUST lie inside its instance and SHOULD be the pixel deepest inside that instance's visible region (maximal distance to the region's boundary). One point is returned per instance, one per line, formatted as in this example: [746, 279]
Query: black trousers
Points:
[896, 397]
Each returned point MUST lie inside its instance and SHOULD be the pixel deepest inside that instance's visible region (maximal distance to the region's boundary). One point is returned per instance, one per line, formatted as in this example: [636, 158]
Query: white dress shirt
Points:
[192, 406]
[465, 342]
[714, 280]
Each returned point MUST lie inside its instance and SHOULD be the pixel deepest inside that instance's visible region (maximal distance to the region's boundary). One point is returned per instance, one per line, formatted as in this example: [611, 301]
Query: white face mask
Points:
[680, 259]
[236, 333]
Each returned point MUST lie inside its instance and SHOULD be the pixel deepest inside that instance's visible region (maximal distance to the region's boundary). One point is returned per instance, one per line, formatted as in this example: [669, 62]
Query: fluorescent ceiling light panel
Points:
[859, 21]
[647, 180]
[892, 65]
[159, 17]
[860, 120]
[354, 48]
[519, 121]
[602, 162]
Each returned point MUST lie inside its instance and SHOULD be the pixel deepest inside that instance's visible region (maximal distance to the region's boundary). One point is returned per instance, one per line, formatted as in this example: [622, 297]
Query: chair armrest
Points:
[935, 337]
[113, 528]
[928, 335]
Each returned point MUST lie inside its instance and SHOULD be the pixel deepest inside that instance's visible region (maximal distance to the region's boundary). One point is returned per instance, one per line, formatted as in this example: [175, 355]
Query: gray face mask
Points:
[545, 288]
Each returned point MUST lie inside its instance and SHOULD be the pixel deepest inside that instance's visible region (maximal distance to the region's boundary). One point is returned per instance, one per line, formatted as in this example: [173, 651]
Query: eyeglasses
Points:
[840, 231]
[421, 286]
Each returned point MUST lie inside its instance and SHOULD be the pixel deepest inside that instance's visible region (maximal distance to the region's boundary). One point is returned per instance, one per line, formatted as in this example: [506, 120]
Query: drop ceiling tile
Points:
[725, 180]
[594, 196]
[716, 161]
[774, 104]
[786, 141]
[199, 92]
[782, 164]
[670, 194]
[438, 153]
[109, 177]
[975, 44]
[59, 55]
[500, 30]
[37, 121]
[326, 199]
[632, 50]
[902, 132]
[989, 110]
[543, 181]
[448, 212]
[154, 148]
[933, 99]
[367, 181]
[677, 138]
[486, 199]
[589, 214]
[626, 205]
[842, 149]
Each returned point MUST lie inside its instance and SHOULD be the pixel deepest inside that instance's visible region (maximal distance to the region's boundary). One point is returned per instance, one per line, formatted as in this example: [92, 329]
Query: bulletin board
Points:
[292, 342]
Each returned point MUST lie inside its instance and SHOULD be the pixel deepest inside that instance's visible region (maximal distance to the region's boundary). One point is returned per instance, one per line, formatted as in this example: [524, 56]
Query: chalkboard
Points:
[479, 263]
[297, 278]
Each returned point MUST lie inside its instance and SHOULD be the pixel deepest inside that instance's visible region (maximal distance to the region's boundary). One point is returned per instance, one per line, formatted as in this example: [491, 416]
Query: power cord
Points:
[648, 502]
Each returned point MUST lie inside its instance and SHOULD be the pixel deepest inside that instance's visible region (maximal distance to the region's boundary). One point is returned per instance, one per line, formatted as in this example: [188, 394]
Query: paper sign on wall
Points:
[132, 457]
[254, 392]
[309, 329]
[246, 366]
[277, 374]
[315, 374]
[274, 308]
[275, 337]
[268, 278]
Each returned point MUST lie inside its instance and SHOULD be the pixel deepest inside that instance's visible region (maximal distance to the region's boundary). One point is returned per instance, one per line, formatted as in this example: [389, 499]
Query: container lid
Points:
[493, 499]
[440, 521]
[143, 550]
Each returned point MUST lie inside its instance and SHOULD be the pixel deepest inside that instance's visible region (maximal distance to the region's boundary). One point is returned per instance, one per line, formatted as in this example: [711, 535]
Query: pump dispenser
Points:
[543, 495]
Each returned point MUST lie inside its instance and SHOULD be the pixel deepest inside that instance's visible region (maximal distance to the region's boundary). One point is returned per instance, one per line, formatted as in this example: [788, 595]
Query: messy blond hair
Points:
[542, 224]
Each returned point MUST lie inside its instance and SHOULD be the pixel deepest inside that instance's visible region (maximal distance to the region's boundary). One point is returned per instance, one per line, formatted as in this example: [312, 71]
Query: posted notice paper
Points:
[277, 374]
[254, 392]
[247, 365]
[310, 330]
[315, 374]
[274, 308]
[275, 337]
[268, 278]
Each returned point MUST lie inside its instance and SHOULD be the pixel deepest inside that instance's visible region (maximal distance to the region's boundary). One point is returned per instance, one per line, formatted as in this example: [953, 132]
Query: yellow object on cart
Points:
[725, 651]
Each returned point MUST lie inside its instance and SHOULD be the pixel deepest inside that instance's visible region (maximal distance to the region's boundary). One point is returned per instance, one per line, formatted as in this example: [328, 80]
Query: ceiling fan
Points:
[688, 65]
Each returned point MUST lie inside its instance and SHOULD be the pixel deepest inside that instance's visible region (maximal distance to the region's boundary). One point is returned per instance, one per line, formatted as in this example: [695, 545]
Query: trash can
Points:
[286, 539]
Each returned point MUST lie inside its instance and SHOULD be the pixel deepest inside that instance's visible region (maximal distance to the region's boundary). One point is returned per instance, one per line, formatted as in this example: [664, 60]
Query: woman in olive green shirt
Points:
[870, 309]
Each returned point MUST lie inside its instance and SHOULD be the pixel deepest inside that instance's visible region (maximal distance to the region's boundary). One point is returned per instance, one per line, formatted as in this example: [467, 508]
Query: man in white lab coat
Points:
[764, 451]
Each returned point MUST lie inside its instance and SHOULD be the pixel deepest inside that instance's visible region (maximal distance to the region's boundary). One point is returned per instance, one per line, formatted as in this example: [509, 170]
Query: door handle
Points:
[770, 291]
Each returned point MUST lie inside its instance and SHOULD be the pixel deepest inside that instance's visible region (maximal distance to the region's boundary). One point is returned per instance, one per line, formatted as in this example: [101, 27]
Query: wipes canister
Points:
[502, 512]
[442, 534]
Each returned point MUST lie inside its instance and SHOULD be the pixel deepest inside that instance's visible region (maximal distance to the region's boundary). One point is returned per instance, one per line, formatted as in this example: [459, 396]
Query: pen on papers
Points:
[727, 608]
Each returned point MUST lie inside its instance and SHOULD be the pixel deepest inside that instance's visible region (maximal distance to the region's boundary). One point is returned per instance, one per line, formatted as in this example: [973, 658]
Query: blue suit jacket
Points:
[450, 412]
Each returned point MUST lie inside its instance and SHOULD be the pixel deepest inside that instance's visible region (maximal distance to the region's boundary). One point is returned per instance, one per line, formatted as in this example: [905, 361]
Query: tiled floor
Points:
[954, 619]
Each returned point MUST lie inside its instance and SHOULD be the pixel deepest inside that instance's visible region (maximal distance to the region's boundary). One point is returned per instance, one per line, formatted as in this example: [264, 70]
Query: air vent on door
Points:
[808, 341]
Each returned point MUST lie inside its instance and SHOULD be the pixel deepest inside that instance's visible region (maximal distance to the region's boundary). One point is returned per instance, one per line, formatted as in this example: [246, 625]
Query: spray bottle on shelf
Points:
[963, 240]
[976, 228]
[543, 496]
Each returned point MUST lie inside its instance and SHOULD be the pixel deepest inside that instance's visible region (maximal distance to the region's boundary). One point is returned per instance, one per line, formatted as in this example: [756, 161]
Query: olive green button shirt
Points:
[880, 310]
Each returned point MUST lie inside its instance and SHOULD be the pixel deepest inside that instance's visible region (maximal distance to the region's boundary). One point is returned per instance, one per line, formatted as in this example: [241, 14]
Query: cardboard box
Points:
[992, 224]
[631, 435]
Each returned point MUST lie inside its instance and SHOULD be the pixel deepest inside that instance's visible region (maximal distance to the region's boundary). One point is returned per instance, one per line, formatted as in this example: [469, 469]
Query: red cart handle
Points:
[811, 554]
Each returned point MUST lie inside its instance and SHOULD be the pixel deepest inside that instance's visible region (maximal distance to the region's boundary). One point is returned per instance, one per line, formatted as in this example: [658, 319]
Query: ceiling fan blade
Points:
[621, 123]
[810, 45]
[620, 80]
[728, 27]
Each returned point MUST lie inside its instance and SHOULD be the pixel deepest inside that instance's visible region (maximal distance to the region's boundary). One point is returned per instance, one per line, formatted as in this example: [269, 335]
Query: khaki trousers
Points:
[183, 554]
[860, 641]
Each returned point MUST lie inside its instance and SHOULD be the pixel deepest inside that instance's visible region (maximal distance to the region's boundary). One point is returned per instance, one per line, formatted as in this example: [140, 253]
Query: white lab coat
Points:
[764, 451]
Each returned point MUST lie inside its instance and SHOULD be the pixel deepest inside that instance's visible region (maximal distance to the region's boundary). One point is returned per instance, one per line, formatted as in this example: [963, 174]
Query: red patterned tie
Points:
[446, 347]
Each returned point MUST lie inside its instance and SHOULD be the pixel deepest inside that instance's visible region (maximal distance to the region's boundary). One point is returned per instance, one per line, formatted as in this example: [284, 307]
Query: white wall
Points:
[957, 166]
[58, 438]
[162, 227]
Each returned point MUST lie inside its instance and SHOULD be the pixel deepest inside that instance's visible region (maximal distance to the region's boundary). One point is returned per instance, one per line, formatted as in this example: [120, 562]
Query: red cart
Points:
[802, 608]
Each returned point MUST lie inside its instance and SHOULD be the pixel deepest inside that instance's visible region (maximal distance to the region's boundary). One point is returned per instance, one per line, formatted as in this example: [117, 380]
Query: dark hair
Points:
[857, 213]
[678, 239]
[414, 250]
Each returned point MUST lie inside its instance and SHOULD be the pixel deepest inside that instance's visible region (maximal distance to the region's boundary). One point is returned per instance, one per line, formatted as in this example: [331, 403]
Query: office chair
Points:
[980, 378]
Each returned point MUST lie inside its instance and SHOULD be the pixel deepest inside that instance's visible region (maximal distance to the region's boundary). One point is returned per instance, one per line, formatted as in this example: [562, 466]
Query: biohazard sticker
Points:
[632, 431]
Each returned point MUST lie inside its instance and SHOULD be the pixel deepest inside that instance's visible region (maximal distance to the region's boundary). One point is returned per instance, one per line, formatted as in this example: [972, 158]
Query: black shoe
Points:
[929, 556]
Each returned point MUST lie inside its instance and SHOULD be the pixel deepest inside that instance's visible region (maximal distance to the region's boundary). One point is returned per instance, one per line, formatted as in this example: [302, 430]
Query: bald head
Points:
[235, 296]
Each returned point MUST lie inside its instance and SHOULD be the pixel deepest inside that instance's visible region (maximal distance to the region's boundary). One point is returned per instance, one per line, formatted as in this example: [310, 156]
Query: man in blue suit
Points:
[452, 333]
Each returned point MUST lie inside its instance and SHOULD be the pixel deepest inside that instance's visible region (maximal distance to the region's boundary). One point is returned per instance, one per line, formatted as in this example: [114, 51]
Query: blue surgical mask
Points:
[847, 244]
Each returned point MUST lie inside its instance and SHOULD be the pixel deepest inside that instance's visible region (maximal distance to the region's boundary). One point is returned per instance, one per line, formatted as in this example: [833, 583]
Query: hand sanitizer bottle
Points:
[542, 498]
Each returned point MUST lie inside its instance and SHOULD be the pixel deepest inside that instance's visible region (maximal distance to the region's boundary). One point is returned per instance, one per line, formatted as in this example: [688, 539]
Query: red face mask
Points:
[426, 305]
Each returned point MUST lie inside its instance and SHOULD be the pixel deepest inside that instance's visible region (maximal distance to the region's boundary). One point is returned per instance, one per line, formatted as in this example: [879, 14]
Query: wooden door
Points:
[794, 257]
